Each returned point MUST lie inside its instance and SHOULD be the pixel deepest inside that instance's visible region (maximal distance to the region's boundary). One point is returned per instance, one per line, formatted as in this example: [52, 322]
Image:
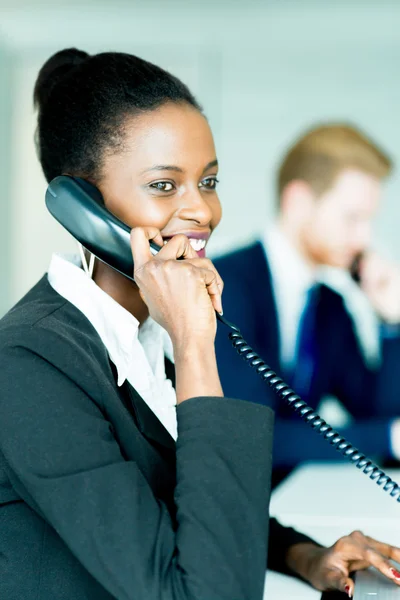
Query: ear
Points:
[297, 198]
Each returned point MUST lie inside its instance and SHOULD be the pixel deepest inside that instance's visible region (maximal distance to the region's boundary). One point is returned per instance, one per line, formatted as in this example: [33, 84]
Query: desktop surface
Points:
[316, 493]
[371, 585]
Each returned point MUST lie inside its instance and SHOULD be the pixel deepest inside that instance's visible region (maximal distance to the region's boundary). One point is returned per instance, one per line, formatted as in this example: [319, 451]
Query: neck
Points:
[292, 232]
[121, 289]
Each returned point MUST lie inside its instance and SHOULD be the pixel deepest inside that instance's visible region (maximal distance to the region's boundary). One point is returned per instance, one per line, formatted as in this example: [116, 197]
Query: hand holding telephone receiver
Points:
[79, 207]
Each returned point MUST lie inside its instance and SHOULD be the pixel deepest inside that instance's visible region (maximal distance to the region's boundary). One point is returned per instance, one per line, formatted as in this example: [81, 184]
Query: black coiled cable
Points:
[309, 415]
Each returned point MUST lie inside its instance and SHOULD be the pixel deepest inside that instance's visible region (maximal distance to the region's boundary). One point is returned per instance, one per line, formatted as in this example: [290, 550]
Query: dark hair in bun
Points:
[53, 71]
[83, 102]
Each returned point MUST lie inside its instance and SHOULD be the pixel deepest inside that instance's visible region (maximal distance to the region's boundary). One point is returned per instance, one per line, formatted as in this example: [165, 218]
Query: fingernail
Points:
[221, 312]
[395, 573]
[347, 590]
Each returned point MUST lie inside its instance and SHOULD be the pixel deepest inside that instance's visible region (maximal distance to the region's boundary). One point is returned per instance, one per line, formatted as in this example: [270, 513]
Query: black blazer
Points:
[96, 499]
[371, 396]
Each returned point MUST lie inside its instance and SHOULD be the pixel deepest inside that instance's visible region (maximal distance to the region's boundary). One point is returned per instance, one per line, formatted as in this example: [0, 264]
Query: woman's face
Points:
[166, 175]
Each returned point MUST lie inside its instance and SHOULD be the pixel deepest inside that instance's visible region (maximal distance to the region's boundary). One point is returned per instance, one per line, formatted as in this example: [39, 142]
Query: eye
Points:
[162, 186]
[209, 183]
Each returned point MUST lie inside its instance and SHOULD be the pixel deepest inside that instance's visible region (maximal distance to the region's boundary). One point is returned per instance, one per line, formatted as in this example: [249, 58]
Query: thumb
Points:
[338, 579]
[346, 585]
[140, 237]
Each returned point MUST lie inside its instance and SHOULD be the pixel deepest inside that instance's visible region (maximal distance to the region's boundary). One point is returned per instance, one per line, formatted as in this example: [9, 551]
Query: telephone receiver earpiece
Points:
[355, 268]
[79, 207]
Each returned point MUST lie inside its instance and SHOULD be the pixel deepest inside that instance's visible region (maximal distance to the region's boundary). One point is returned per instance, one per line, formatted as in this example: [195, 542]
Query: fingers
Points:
[377, 555]
[178, 247]
[210, 279]
[140, 237]
[216, 299]
[207, 264]
[374, 554]
[384, 549]
[377, 271]
[375, 551]
[383, 565]
[356, 552]
[338, 579]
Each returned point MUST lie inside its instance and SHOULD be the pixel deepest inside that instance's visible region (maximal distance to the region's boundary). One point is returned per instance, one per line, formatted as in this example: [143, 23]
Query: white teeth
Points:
[197, 244]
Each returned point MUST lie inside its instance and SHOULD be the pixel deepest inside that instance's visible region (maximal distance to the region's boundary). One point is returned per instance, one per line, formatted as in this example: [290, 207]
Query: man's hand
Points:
[380, 280]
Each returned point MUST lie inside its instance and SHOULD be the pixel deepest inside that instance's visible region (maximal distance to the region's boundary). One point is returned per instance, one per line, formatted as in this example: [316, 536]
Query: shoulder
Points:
[46, 325]
[241, 259]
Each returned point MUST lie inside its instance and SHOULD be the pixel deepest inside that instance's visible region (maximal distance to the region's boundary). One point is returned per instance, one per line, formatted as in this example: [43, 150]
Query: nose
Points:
[196, 207]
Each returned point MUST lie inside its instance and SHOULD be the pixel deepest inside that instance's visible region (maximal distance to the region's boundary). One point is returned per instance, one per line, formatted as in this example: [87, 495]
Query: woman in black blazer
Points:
[100, 497]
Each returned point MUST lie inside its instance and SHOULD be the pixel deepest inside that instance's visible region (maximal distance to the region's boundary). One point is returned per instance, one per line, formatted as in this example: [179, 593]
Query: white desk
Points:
[327, 502]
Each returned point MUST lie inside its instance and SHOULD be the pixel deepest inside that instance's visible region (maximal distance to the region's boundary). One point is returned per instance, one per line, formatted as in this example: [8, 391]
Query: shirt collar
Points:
[292, 275]
[117, 328]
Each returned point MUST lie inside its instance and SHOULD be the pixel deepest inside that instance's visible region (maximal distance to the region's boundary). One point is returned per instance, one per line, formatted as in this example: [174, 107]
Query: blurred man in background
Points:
[299, 295]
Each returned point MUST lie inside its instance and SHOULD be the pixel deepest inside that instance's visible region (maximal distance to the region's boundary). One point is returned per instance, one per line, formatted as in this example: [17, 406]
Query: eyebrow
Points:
[211, 164]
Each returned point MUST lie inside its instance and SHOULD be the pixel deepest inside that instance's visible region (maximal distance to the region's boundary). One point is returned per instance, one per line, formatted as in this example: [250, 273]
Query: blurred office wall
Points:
[263, 71]
[6, 136]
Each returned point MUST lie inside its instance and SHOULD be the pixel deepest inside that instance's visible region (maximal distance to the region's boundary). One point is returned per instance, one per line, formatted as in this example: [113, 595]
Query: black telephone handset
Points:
[79, 207]
[355, 268]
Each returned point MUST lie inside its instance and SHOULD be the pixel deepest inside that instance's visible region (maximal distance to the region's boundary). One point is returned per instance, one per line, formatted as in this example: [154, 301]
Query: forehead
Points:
[355, 190]
[174, 134]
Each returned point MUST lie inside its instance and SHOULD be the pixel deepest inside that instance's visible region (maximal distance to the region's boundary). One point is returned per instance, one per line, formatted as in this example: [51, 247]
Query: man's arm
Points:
[370, 395]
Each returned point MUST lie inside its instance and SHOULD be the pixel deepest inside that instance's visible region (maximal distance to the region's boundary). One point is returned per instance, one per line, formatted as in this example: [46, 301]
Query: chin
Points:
[341, 263]
[333, 261]
[327, 257]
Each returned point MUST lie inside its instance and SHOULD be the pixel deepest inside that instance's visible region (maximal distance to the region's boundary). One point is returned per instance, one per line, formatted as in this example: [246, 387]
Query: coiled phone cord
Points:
[308, 414]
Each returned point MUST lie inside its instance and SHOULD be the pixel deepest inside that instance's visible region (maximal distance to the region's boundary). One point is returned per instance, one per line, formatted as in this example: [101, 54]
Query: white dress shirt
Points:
[292, 278]
[137, 352]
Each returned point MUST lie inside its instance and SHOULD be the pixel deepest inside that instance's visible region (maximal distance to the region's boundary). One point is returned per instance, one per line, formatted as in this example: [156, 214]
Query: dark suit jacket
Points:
[96, 499]
[371, 397]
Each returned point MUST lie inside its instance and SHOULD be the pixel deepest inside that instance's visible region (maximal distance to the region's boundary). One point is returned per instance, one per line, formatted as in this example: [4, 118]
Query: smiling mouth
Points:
[196, 244]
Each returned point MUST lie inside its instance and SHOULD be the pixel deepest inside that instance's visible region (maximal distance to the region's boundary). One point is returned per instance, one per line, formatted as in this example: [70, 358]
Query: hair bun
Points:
[53, 71]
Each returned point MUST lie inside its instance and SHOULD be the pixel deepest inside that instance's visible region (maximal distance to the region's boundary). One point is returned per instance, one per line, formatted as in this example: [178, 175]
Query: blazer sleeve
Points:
[64, 462]
[371, 395]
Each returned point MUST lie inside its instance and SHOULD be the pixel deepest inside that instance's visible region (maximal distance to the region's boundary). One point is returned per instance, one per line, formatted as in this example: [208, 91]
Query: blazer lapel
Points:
[267, 314]
[147, 422]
